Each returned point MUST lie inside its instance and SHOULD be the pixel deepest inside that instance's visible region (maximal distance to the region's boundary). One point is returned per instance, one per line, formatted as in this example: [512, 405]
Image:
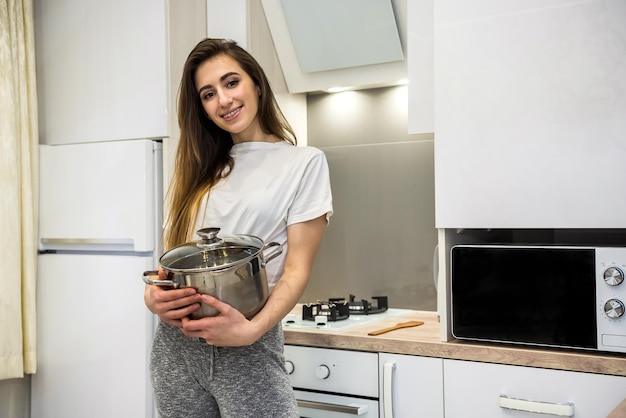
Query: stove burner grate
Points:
[364, 307]
[331, 310]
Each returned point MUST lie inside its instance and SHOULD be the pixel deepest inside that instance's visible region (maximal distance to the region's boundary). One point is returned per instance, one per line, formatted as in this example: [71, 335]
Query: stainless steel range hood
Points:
[338, 43]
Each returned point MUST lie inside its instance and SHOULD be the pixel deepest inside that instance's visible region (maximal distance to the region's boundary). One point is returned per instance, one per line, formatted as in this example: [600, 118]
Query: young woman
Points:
[237, 168]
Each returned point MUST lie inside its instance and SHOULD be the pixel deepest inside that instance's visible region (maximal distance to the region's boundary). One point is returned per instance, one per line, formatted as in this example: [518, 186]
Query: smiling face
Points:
[229, 97]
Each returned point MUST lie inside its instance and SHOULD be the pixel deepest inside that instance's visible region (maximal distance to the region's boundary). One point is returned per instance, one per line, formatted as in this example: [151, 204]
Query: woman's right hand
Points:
[171, 305]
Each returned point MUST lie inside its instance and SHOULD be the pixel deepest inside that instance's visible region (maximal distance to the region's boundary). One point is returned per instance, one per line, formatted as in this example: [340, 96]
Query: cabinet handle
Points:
[546, 408]
[388, 369]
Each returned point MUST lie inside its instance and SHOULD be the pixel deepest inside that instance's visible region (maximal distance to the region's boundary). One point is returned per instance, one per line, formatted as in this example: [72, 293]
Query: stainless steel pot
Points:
[230, 268]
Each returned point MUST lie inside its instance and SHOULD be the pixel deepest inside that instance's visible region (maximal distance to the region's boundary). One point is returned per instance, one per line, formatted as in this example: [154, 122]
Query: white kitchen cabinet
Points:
[420, 66]
[529, 113]
[484, 390]
[101, 70]
[410, 386]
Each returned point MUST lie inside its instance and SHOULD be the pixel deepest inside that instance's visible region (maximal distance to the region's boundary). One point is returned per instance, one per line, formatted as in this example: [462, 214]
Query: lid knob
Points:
[209, 237]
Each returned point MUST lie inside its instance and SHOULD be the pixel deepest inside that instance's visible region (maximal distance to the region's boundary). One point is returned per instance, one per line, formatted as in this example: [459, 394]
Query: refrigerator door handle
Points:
[87, 241]
[88, 244]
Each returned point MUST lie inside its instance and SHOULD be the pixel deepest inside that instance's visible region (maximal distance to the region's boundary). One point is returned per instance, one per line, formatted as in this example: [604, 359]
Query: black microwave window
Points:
[539, 296]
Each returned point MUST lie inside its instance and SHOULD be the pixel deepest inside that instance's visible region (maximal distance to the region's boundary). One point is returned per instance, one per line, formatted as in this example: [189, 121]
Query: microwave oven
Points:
[553, 296]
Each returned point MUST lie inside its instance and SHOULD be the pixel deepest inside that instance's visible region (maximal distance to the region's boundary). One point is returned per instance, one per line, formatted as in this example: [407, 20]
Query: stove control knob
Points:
[613, 276]
[614, 308]
[322, 372]
[321, 320]
[291, 318]
[290, 367]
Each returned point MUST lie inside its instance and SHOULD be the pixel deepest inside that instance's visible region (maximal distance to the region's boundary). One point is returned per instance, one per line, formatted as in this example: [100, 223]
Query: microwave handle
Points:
[546, 408]
[388, 370]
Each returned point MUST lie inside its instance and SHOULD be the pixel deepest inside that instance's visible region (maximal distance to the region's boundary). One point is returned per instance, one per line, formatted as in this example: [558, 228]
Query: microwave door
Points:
[525, 295]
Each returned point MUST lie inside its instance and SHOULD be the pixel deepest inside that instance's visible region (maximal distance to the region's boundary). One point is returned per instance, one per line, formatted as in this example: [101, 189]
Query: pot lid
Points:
[211, 253]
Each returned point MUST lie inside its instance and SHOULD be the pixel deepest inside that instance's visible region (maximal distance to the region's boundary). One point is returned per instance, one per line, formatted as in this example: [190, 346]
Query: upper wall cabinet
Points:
[101, 70]
[347, 44]
[530, 106]
[420, 66]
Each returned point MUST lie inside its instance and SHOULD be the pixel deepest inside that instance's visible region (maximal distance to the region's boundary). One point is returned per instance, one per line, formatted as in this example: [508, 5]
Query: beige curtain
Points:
[18, 189]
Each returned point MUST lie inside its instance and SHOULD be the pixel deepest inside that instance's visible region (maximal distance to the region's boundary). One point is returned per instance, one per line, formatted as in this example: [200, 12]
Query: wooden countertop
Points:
[424, 341]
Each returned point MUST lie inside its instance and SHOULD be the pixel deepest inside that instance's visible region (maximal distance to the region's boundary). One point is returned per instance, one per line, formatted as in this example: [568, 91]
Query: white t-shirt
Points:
[271, 186]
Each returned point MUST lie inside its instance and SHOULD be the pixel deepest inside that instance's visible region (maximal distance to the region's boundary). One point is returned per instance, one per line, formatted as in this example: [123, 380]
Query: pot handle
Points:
[162, 283]
[273, 254]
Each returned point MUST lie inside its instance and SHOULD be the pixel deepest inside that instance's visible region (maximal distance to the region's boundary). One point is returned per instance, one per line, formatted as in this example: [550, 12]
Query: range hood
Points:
[349, 44]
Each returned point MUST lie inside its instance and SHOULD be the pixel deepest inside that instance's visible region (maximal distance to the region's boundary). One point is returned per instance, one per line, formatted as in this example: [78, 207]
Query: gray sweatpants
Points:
[192, 379]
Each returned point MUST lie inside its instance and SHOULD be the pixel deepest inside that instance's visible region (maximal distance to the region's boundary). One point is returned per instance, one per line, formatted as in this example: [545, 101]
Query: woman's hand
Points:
[171, 305]
[228, 328]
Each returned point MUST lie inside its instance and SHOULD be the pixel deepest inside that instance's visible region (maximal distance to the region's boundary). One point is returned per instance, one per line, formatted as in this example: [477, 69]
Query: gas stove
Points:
[338, 314]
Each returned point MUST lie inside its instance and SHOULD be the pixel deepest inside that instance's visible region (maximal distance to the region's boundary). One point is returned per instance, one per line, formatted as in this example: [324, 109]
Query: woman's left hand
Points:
[229, 328]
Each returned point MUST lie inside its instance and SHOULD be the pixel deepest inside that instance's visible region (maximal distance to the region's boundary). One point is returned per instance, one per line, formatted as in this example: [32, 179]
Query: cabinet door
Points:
[529, 114]
[101, 70]
[410, 386]
[420, 66]
[491, 390]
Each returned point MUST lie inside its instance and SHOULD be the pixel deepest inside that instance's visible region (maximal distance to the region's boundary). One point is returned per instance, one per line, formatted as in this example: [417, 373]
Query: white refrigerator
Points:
[100, 229]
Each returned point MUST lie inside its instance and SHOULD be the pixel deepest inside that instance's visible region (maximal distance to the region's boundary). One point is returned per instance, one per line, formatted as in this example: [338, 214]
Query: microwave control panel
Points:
[611, 297]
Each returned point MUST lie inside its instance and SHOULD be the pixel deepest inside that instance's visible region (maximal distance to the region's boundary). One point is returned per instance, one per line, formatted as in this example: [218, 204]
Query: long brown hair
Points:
[203, 154]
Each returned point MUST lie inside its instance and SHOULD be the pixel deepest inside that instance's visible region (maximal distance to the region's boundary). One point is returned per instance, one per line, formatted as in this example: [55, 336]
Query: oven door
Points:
[322, 405]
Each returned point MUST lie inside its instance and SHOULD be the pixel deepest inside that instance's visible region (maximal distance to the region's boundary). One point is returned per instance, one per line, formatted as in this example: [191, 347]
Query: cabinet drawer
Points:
[492, 390]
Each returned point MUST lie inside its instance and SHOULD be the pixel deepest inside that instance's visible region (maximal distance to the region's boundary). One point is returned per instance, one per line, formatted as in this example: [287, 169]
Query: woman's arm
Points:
[303, 240]
[230, 327]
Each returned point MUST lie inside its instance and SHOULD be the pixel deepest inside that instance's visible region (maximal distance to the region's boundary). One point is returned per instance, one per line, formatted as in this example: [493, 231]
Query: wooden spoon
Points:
[397, 326]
